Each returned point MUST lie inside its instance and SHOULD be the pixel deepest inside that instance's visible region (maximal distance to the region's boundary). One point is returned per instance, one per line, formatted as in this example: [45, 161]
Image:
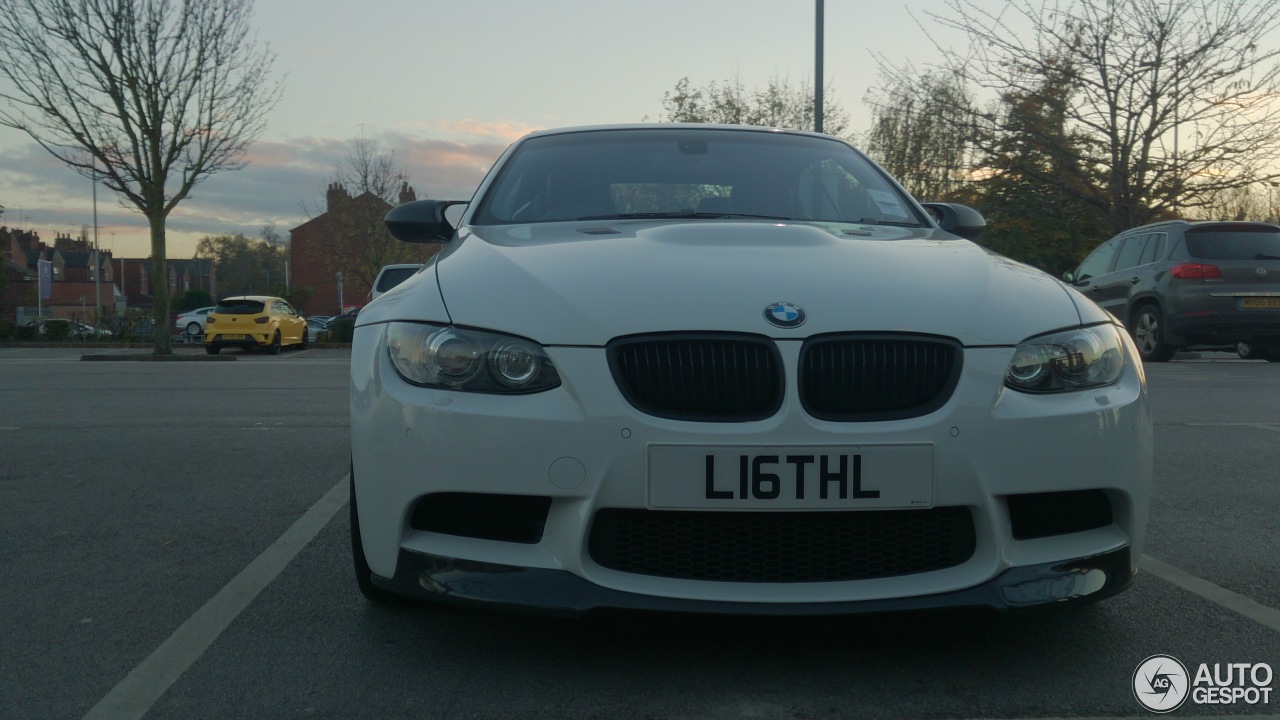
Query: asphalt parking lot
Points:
[174, 545]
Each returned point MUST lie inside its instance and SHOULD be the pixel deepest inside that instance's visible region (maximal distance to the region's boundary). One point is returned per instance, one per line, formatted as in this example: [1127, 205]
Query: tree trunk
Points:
[159, 285]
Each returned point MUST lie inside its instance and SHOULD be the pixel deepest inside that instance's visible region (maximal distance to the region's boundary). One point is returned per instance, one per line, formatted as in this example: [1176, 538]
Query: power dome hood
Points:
[585, 283]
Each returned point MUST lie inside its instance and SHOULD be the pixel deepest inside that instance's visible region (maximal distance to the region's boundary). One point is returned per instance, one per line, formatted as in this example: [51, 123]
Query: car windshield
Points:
[239, 307]
[691, 173]
[1255, 243]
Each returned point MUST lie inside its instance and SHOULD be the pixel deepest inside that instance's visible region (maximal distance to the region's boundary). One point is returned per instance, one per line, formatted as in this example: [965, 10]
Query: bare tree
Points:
[923, 131]
[148, 96]
[1176, 97]
[777, 105]
[366, 185]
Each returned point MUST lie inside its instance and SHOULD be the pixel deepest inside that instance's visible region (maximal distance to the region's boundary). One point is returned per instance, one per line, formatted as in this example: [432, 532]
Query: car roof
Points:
[1226, 224]
[675, 126]
[259, 298]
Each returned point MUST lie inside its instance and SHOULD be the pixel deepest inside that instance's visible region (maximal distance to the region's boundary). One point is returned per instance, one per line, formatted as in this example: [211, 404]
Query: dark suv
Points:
[1184, 284]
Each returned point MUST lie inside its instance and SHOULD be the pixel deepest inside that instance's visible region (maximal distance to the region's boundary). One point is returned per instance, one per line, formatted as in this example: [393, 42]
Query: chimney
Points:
[406, 193]
[335, 196]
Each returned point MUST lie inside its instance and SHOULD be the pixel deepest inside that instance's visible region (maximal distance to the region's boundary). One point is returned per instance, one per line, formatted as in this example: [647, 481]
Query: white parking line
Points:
[1260, 426]
[1235, 602]
[141, 688]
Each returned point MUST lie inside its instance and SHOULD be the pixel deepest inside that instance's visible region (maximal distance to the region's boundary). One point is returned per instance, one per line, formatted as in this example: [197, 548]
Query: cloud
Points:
[283, 184]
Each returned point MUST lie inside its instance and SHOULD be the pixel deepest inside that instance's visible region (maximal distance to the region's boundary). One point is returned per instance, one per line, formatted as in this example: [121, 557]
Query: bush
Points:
[25, 332]
[7, 330]
[341, 329]
[57, 331]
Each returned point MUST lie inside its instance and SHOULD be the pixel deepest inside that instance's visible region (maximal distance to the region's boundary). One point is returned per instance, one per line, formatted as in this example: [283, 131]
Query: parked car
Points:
[1182, 284]
[254, 322]
[192, 321]
[315, 327]
[390, 276]
[735, 370]
[67, 328]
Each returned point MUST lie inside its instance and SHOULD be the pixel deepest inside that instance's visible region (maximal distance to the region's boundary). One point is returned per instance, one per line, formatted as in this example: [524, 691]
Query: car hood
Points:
[586, 283]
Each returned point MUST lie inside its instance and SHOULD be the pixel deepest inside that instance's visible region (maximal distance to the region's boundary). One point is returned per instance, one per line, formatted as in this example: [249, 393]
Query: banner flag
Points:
[45, 270]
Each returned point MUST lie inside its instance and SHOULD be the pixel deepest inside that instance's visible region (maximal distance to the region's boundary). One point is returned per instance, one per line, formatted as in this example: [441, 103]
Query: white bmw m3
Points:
[735, 370]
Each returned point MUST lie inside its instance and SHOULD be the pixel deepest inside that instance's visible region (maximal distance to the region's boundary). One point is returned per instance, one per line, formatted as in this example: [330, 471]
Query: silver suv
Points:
[392, 275]
[1181, 284]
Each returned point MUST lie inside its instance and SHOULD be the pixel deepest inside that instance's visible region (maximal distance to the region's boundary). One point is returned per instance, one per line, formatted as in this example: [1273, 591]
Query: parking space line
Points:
[1235, 602]
[141, 688]
[1261, 426]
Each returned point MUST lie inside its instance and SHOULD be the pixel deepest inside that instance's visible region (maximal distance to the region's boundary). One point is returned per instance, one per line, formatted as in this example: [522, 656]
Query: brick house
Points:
[349, 238]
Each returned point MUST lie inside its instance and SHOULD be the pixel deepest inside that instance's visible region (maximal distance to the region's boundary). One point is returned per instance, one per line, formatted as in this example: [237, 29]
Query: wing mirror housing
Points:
[421, 221]
[958, 219]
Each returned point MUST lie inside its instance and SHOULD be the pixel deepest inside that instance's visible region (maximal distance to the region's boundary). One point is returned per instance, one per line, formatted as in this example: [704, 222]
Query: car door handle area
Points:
[1135, 280]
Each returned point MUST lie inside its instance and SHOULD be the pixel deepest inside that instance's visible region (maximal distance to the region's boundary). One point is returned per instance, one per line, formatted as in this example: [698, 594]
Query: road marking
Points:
[1260, 426]
[152, 678]
[1235, 602]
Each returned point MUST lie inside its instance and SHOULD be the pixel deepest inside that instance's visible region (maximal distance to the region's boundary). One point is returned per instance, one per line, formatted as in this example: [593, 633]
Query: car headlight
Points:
[452, 358]
[1077, 359]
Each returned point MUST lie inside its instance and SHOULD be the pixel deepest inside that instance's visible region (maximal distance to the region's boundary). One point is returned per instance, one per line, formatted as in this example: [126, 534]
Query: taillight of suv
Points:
[1196, 271]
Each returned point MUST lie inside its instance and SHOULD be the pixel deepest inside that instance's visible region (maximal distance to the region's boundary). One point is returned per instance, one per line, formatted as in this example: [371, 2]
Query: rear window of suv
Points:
[392, 277]
[239, 307]
[1260, 243]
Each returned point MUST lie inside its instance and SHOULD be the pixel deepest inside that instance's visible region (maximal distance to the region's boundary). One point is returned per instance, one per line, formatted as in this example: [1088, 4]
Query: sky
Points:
[447, 86]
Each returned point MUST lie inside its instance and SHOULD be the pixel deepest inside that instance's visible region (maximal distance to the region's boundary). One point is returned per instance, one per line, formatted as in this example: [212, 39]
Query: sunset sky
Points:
[447, 86]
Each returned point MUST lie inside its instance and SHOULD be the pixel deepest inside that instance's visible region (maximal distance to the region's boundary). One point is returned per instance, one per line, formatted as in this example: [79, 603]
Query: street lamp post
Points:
[817, 62]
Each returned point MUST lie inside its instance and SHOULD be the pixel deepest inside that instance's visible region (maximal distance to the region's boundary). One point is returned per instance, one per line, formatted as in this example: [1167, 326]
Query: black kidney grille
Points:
[701, 378]
[782, 547]
[853, 378]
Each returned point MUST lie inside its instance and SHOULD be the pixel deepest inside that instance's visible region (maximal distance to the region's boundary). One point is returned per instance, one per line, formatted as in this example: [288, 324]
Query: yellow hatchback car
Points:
[254, 321]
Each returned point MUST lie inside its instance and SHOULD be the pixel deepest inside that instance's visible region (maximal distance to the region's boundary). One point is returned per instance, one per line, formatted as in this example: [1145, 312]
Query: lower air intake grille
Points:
[782, 547]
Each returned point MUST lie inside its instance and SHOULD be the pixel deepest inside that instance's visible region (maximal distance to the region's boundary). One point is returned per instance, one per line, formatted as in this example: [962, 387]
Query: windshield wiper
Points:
[887, 223]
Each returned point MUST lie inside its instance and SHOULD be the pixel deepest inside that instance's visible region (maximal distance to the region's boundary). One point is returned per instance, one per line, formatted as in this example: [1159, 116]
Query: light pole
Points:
[97, 258]
[817, 73]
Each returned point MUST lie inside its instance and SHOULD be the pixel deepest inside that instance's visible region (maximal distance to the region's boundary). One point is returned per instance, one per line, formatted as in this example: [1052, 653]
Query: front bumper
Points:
[584, 449]
[463, 582]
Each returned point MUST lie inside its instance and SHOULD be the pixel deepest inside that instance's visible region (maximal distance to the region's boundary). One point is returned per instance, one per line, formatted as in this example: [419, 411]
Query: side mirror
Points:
[421, 221]
[961, 220]
[1069, 277]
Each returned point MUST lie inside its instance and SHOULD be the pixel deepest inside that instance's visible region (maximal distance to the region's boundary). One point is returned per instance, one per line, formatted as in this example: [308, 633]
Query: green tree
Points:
[245, 266]
[730, 103]
[1033, 183]
[148, 96]
[191, 300]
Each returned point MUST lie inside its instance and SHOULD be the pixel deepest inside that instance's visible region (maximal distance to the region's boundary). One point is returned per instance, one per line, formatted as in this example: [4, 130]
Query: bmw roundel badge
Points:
[784, 315]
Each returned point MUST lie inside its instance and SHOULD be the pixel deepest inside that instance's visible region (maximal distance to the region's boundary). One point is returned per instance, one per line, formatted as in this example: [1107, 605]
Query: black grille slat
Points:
[709, 378]
[877, 377]
[782, 547]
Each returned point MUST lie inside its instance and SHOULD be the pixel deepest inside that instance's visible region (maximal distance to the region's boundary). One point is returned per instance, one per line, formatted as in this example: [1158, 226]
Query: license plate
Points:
[231, 337]
[790, 477]
[1260, 302]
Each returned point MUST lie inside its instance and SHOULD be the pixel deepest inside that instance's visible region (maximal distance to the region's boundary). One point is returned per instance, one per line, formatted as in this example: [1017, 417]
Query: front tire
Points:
[364, 576]
[1247, 351]
[1148, 334]
[194, 329]
[306, 338]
